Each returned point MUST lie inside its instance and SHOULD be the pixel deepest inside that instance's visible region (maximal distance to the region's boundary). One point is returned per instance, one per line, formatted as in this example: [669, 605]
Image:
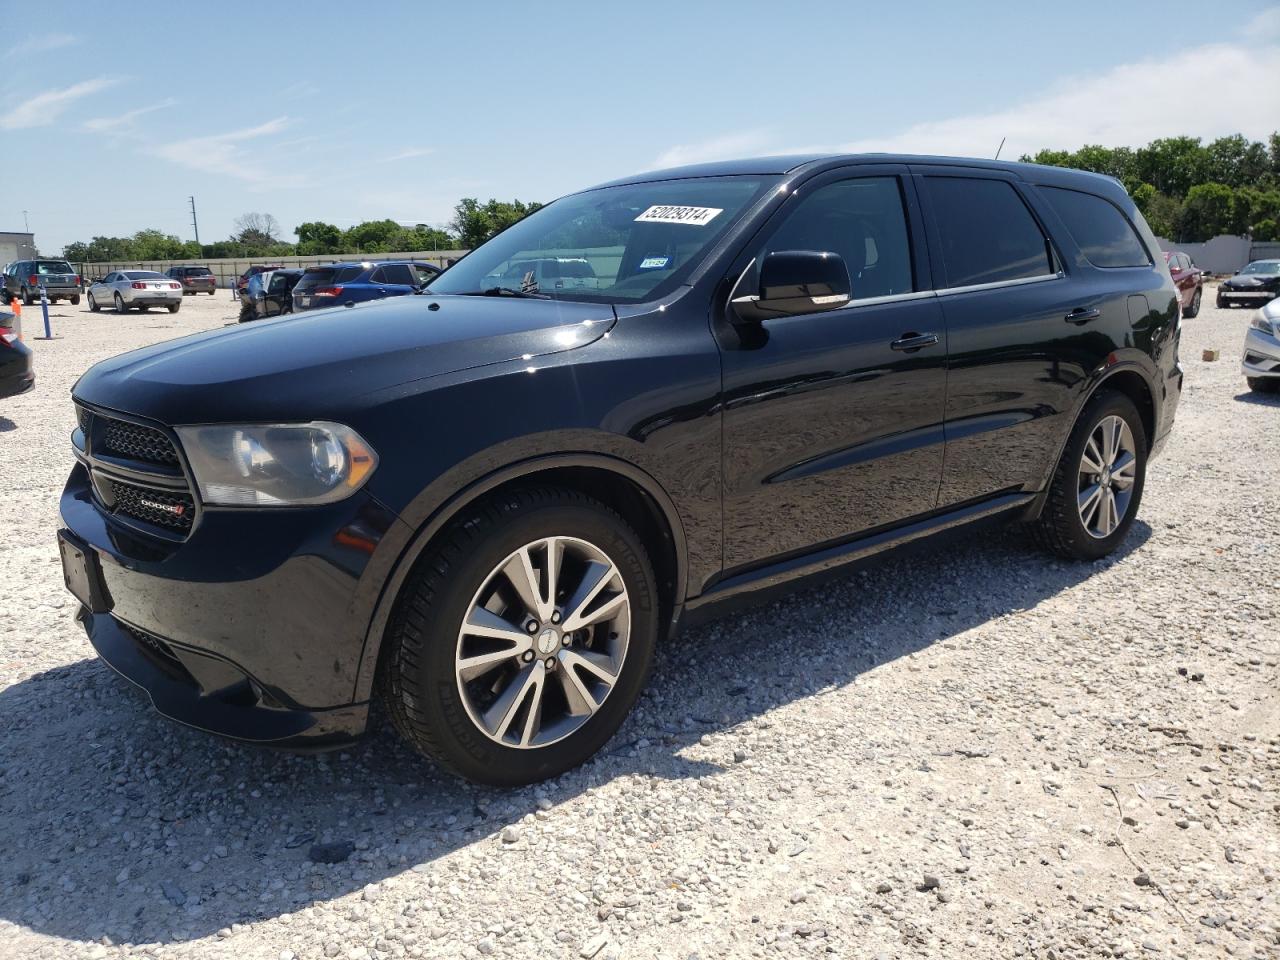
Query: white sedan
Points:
[127, 289]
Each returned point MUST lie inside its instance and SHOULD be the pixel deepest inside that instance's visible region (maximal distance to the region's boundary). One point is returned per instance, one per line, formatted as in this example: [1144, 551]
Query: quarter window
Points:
[863, 220]
[1102, 232]
[398, 273]
[988, 234]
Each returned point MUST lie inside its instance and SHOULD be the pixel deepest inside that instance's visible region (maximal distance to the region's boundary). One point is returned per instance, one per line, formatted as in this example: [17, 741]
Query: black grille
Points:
[136, 442]
[82, 416]
[171, 510]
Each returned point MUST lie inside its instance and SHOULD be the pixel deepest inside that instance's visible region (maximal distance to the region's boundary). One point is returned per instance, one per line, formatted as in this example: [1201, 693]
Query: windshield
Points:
[615, 244]
[1263, 266]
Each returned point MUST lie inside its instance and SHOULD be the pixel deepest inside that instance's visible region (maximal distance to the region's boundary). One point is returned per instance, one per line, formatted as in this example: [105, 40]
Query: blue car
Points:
[340, 284]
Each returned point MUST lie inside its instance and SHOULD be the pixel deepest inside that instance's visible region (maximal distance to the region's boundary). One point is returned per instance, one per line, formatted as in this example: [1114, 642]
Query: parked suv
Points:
[487, 506]
[23, 278]
[194, 279]
[344, 284]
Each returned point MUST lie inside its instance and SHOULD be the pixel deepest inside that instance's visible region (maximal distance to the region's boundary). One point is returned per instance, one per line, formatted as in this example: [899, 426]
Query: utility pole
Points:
[194, 226]
[25, 224]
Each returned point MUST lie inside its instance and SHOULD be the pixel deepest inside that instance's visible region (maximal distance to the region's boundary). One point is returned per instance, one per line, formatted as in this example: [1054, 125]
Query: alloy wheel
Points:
[1108, 470]
[543, 642]
[119, 303]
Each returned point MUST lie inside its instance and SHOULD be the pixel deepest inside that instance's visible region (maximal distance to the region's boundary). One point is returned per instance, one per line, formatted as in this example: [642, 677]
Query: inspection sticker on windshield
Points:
[654, 263]
[693, 216]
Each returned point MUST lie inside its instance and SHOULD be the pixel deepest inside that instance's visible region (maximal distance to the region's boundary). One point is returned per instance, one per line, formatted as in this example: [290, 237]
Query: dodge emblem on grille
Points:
[177, 509]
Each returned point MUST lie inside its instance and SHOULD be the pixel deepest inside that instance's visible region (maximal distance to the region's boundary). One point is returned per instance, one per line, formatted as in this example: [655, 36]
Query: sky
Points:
[111, 115]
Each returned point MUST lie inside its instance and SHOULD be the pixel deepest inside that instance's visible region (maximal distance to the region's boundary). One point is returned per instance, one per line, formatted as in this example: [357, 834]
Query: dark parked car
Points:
[23, 279]
[342, 284]
[487, 506]
[253, 271]
[269, 294]
[1256, 284]
[16, 373]
[1189, 279]
[194, 279]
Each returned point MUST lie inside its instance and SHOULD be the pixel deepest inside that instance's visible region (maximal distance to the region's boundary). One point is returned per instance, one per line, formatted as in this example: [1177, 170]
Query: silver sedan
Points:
[1261, 364]
[130, 289]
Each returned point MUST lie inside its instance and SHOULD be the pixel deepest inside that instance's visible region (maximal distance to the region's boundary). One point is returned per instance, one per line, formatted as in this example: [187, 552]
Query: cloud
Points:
[126, 120]
[43, 108]
[717, 148]
[408, 154]
[1205, 91]
[222, 153]
[44, 42]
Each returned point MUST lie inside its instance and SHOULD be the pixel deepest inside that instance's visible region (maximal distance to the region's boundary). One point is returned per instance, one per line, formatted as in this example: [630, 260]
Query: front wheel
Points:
[1264, 384]
[1097, 486]
[1192, 310]
[522, 638]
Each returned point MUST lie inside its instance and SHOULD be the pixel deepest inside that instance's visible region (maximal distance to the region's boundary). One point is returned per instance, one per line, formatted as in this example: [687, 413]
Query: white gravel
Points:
[974, 751]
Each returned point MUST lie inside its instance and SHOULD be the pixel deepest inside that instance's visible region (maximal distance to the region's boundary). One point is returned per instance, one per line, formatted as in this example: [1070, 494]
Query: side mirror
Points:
[794, 282]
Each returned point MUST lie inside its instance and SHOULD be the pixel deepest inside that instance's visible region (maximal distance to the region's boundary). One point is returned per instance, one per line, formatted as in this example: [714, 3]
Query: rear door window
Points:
[399, 273]
[988, 235]
[1105, 236]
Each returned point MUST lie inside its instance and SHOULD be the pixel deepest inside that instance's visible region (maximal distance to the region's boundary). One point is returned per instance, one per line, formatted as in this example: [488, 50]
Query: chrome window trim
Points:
[999, 284]
[890, 298]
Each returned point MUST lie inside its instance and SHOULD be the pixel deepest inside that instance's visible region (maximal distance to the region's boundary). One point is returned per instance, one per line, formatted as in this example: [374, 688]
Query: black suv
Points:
[484, 504]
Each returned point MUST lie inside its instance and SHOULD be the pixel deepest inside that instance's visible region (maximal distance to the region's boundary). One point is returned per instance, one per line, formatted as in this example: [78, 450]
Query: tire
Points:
[1264, 384]
[93, 304]
[75, 300]
[173, 307]
[418, 679]
[1061, 527]
[119, 302]
[27, 299]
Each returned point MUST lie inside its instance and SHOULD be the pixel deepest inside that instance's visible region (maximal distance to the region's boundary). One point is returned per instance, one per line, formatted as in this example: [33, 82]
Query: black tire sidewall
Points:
[456, 738]
[1104, 405]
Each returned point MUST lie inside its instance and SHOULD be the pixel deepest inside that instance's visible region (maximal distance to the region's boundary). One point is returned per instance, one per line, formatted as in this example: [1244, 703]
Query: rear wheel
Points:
[173, 307]
[119, 302]
[75, 300]
[1097, 486]
[27, 298]
[1264, 384]
[93, 304]
[523, 638]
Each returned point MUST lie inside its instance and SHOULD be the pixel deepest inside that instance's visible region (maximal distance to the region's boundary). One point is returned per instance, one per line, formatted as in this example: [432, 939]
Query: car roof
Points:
[816, 162]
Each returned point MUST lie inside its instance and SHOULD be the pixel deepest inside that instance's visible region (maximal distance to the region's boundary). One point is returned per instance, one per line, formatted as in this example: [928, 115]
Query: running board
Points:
[763, 578]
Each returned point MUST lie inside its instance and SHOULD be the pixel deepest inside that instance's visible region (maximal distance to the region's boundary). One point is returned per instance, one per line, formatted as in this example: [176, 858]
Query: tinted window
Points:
[988, 234]
[142, 275]
[398, 273]
[47, 267]
[379, 276]
[1102, 232]
[316, 277]
[863, 221]
[346, 274]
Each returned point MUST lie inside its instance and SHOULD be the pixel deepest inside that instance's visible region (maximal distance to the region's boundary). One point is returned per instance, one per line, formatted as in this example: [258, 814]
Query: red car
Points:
[1188, 278]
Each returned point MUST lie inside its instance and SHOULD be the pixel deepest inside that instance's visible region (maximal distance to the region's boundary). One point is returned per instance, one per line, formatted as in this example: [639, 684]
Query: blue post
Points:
[44, 308]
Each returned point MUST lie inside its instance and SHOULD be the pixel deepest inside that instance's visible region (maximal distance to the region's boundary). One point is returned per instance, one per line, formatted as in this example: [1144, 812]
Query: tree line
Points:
[1190, 191]
[261, 235]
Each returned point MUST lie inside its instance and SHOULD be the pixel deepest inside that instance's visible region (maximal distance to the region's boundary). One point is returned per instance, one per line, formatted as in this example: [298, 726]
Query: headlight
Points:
[277, 465]
[1259, 322]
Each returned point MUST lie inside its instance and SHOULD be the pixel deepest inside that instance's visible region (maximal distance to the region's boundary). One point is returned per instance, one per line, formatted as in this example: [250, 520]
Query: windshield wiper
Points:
[507, 292]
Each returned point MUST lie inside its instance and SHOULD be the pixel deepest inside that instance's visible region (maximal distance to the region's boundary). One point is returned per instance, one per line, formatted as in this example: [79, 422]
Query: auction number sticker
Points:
[693, 216]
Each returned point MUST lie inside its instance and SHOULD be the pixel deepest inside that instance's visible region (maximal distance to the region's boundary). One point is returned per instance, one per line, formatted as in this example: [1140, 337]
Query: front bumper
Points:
[1252, 298]
[251, 628]
[1261, 355]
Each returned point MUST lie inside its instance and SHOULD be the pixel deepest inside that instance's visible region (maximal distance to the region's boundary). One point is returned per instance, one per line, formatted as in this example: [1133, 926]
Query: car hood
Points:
[1252, 280]
[311, 365]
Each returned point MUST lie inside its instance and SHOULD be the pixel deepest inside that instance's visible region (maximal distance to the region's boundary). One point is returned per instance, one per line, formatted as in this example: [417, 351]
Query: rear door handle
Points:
[911, 342]
[1080, 315]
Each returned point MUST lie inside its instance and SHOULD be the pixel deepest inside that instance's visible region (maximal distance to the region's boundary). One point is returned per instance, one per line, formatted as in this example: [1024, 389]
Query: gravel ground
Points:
[973, 750]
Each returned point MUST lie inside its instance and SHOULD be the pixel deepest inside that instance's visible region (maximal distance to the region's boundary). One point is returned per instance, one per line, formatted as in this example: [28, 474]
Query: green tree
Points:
[1173, 165]
[316, 237]
[1266, 230]
[473, 223]
[1208, 211]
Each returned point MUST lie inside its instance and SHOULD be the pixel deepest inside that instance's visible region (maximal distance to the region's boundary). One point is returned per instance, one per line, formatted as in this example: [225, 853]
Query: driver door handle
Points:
[1080, 315]
[911, 342]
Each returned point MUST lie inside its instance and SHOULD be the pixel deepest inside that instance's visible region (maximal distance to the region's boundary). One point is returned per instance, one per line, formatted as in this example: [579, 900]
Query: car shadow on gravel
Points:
[120, 824]
[1261, 399]
[6, 425]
